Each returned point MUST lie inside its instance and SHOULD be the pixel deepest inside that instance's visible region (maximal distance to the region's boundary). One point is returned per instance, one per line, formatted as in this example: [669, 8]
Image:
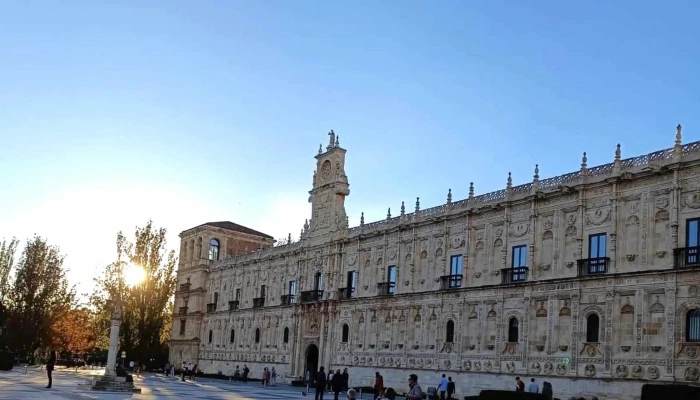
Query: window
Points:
[238, 294]
[292, 292]
[216, 299]
[346, 333]
[352, 283]
[456, 265]
[233, 336]
[257, 335]
[596, 253]
[450, 332]
[262, 291]
[318, 281]
[213, 249]
[183, 323]
[211, 335]
[592, 328]
[519, 256]
[692, 241]
[391, 279]
[285, 337]
[692, 326]
[513, 330]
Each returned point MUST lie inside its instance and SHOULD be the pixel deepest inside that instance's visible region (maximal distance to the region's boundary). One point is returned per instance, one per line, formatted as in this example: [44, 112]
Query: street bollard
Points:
[360, 392]
[25, 369]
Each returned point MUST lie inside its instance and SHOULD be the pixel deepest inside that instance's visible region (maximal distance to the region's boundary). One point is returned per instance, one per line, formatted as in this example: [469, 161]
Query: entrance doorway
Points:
[311, 361]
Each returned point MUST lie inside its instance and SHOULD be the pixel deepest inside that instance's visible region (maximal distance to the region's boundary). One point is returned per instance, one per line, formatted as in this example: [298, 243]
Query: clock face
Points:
[326, 170]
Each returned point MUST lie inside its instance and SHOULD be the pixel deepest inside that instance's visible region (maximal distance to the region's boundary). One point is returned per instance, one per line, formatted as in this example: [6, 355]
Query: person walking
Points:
[442, 387]
[378, 384]
[320, 384]
[329, 379]
[273, 376]
[265, 377]
[50, 364]
[337, 384]
[346, 379]
[533, 387]
[246, 371]
[415, 392]
[450, 388]
[519, 385]
[352, 394]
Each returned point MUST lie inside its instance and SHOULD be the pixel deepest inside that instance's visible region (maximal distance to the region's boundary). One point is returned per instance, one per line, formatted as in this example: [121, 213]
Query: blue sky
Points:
[185, 112]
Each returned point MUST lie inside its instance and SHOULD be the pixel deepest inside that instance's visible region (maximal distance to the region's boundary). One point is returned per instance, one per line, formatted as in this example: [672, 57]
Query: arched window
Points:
[233, 335]
[592, 328]
[213, 249]
[285, 337]
[513, 330]
[211, 335]
[450, 332]
[692, 326]
[257, 335]
[346, 333]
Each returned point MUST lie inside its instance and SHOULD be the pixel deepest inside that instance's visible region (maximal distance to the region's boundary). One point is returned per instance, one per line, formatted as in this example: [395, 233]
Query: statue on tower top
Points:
[331, 143]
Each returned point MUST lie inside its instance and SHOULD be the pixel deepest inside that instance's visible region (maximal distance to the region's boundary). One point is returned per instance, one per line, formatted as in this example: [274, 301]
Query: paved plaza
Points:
[17, 385]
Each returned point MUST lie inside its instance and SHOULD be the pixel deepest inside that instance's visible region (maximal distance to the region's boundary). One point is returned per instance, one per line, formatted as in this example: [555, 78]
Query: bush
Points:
[675, 392]
[7, 360]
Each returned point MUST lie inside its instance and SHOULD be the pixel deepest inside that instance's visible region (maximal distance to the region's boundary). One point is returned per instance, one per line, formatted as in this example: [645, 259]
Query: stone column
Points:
[113, 341]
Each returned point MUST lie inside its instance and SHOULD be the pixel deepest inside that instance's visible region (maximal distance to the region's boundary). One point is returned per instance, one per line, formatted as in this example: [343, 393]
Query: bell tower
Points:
[330, 186]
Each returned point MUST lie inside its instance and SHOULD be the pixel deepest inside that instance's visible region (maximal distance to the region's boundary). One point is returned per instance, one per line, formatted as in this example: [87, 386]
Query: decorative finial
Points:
[618, 152]
[584, 161]
[536, 177]
[301, 234]
[388, 213]
[320, 149]
[449, 196]
[289, 238]
[362, 219]
[471, 189]
[306, 224]
[679, 136]
[337, 141]
[314, 178]
[403, 209]
[510, 182]
[417, 204]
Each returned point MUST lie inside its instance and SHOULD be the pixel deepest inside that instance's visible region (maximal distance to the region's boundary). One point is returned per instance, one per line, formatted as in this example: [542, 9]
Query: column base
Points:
[108, 383]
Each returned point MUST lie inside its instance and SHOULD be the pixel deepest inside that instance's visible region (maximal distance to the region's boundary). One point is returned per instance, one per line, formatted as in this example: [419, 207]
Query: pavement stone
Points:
[16, 385]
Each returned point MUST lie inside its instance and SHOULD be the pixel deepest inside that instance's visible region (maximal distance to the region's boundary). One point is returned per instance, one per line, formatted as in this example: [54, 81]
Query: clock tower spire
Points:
[330, 187]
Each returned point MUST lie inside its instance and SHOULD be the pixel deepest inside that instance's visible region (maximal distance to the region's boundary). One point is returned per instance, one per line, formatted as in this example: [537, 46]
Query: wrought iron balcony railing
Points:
[182, 311]
[346, 293]
[211, 307]
[233, 305]
[288, 299]
[593, 266]
[686, 257]
[450, 282]
[310, 296]
[386, 288]
[185, 287]
[513, 275]
[259, 302]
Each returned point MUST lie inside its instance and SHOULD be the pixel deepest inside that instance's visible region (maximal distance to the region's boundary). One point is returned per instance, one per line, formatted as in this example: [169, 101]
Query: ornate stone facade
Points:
[585, 280]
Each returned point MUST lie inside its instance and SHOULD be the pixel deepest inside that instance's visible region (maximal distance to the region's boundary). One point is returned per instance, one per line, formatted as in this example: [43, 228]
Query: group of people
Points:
[189, 371]
[533, 387]
[269, 376]
[335, 382]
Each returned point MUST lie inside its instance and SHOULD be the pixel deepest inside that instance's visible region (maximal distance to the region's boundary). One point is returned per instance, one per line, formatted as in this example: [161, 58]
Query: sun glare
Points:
[134, 275]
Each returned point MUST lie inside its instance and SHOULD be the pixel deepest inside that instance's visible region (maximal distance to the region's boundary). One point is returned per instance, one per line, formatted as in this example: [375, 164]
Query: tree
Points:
[72, 331]
[7, 255]
[39, 295]
[146, 308]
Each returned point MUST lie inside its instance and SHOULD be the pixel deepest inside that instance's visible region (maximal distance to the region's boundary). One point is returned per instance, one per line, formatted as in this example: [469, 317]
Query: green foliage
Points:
[145, 308]
[39, 295]
[7, 255]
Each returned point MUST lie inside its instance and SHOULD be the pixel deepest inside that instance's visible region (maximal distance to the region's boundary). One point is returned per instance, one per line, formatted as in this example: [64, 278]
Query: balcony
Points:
[593, 266]
[448, 282]
[346, 293]
[386, 288]
[311, 296]
[182, 311]
[233, 305]
[185, 287]
[259, 302]
[211, 307]
[288, 299]
[513, 275]
[686, 257]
